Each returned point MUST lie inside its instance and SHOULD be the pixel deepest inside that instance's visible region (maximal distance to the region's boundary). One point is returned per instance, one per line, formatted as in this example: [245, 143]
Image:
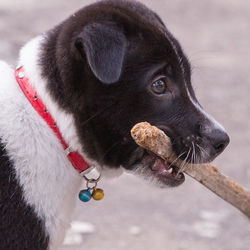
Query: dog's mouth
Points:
[153, 167]
[166, 172]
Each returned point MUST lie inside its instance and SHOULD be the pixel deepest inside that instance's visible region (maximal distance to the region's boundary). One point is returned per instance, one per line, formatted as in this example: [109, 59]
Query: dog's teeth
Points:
[170, 170]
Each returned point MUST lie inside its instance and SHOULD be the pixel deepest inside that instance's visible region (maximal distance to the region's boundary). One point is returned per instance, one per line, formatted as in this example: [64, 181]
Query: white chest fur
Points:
[49, 182]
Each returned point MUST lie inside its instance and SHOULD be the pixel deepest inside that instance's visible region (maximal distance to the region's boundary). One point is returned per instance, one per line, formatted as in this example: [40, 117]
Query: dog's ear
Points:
[104, 46]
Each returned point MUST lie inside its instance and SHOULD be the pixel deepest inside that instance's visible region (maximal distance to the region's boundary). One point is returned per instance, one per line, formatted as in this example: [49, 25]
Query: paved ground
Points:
[215, 35]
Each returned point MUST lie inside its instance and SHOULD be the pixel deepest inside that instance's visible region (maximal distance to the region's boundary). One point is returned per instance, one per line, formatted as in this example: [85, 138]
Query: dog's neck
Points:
[29, 59]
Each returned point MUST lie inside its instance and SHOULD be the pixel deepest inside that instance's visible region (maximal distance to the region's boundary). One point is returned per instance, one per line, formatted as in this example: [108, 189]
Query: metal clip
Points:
[92, 182]
[67, 150]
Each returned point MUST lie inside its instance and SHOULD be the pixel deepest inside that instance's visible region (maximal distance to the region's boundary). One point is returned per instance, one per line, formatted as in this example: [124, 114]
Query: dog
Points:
[107, 67]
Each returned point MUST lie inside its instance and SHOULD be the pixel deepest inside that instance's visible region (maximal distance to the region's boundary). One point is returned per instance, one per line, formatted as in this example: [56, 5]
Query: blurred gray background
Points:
[134, 215]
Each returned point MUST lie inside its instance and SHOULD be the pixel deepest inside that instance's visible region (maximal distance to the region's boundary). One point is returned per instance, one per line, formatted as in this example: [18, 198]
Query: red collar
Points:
[75, 158]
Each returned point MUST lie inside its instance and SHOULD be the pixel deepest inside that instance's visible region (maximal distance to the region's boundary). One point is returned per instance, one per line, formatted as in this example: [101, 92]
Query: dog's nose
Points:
[218, 138]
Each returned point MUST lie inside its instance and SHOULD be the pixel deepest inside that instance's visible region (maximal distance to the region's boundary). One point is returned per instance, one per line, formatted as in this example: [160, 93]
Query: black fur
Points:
[126, 44]
[20, 228]
[105, 58]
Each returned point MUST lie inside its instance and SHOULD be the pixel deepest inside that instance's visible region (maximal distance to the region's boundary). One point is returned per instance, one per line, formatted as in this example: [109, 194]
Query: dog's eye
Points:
[159, 86]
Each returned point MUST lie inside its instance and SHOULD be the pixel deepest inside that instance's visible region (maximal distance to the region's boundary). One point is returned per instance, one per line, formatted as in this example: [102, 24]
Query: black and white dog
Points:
[108, 66]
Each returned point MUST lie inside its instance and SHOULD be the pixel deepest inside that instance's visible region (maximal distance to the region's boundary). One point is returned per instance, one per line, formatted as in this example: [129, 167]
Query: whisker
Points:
[197, 157]
[178, 157]
[184, 166]
[194, 160]
[193, 155]
[96, 114]
[202, 149]
[183, 163]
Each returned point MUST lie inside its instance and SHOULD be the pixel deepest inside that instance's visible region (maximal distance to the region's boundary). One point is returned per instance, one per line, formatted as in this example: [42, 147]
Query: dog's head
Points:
[119, 65]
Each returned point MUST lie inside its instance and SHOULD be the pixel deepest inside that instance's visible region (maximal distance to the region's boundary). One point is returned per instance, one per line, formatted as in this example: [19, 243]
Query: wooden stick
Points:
[155, 140]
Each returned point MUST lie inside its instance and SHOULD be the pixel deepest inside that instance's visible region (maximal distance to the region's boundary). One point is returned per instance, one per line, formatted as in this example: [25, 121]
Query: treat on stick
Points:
[155, 140]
